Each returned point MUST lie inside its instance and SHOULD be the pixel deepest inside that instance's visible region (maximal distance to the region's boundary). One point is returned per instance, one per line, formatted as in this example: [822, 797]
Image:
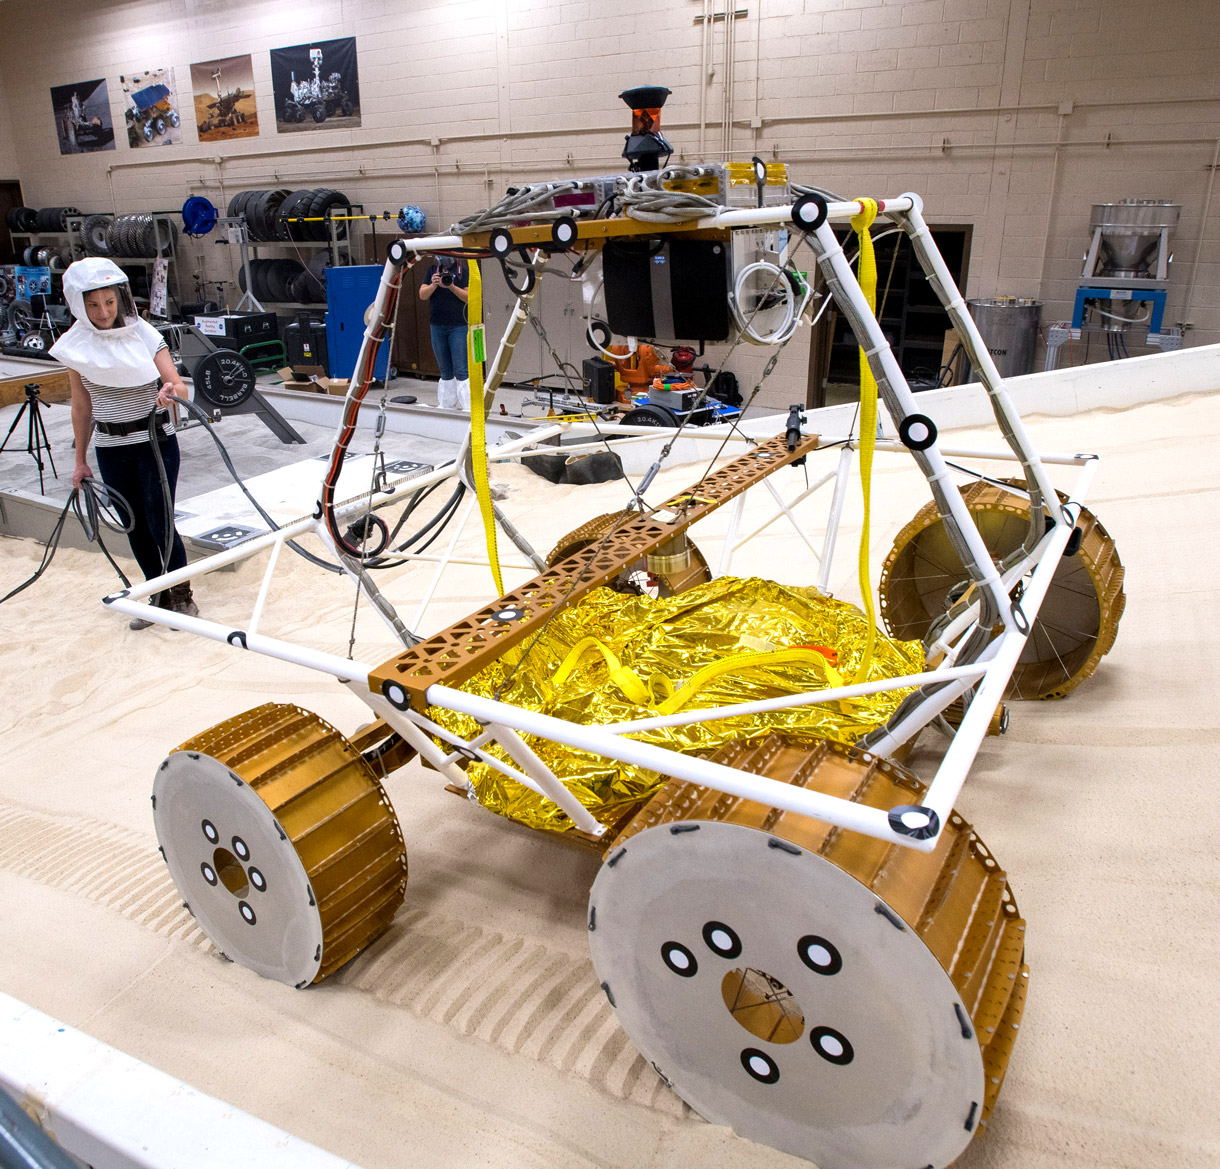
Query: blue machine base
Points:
[1156, 295]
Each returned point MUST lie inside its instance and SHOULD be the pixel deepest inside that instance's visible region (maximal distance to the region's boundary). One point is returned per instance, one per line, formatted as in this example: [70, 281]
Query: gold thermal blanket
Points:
[612, 658]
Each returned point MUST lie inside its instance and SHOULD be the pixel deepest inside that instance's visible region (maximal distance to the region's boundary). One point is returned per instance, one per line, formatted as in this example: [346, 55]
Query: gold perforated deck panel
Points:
[451, 656]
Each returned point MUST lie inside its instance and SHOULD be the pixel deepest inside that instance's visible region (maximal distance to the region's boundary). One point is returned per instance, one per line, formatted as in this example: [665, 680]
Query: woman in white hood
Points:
[120, 368]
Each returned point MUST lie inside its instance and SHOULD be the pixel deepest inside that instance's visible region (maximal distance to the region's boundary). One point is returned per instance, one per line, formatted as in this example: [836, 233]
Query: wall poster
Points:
[316, 86]
[150, 102]
[225, 106]
[82, 117]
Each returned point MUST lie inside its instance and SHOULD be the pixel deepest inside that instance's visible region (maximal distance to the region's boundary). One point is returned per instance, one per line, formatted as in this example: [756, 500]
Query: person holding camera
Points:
[444, 289]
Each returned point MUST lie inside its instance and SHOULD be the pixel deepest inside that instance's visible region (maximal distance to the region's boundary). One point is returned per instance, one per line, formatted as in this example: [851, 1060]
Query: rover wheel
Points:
[1077, 623]
[828, 994]
[281, 841]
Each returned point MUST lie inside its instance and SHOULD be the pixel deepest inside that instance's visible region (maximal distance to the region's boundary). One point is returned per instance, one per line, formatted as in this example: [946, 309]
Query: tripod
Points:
[36, 432]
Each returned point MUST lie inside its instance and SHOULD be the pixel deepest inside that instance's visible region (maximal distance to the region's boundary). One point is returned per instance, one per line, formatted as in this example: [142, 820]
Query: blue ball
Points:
[411, 218]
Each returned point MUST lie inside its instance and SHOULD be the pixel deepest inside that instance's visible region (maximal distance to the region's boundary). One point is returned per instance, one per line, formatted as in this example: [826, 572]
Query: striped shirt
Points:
[123, 404]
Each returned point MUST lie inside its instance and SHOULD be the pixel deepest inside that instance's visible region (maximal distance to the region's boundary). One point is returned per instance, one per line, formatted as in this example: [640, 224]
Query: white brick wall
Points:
[863, 96]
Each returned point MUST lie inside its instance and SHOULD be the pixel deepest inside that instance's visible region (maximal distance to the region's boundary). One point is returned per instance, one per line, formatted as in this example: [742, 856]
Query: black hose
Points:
[92, 514]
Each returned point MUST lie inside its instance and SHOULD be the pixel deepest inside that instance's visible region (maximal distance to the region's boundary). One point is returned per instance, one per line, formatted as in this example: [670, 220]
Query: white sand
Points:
[474, 1032]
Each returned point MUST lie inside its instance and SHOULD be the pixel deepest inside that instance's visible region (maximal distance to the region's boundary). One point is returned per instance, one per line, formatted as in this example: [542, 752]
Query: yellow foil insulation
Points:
[638, 652]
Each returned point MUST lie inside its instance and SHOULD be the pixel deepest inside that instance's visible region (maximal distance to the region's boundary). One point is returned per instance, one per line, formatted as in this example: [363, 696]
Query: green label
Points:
[478, 348]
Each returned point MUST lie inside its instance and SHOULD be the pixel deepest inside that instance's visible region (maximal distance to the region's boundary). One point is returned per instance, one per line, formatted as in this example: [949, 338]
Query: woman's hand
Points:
[82, 472]
[177, 389]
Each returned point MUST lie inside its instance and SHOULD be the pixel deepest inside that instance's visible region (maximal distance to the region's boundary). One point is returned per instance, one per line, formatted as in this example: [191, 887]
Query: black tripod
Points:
[36, 432]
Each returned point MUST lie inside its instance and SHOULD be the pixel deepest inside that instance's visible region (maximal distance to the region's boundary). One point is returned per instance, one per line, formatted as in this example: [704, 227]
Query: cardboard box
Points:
[292, 379]
[333, 385]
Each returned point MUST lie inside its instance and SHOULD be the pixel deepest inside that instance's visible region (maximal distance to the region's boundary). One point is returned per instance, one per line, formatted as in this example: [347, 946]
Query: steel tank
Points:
[1009, 326]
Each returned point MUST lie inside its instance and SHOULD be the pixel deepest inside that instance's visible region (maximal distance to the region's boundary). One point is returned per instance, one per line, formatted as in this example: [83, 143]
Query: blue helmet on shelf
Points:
[411, 218]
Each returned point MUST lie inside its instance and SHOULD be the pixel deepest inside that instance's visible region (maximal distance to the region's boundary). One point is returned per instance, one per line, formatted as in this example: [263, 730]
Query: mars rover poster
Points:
[82, 117]
[225, 105]
[316, 86]
[150, 108]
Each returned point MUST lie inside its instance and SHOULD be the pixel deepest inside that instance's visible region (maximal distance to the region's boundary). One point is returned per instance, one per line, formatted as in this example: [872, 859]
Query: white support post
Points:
[265, 587]
[445, 560]
[857, 817]
[902, 402]
[786, 509]
[944, 789]
[546, 779]
[730, 540]
[843, 477]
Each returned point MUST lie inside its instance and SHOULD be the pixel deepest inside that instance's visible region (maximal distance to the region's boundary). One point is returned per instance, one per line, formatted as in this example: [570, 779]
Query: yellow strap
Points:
[642, 693]
[779, 657]
[626, 679]
[868, 429]
[475, 354]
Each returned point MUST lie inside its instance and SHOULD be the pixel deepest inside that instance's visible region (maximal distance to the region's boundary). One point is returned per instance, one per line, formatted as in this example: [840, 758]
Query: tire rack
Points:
[163, 238]
[76, 245]
[340, 251]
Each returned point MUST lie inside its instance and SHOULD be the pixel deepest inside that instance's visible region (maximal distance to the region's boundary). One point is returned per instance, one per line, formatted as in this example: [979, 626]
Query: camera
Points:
[447, 267]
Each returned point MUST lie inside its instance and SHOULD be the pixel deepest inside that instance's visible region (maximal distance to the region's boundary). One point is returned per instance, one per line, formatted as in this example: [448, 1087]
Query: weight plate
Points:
[29, 219]
[224, 378]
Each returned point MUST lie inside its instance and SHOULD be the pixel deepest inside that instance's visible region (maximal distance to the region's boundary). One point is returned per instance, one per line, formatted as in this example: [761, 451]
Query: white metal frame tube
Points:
[857, 817]
[936, 470]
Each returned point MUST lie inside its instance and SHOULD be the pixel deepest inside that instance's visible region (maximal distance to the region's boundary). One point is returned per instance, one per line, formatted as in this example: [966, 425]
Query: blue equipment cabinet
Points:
[349, 292]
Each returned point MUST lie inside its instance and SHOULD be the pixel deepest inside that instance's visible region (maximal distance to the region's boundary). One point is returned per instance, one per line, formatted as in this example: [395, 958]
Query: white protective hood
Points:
[110, 357]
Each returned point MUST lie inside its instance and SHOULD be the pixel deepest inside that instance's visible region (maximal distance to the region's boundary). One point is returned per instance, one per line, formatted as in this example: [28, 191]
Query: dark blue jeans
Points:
[132, 472]
[449, 345]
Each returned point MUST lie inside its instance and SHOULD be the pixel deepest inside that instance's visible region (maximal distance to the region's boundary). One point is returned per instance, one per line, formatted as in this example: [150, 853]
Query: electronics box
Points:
[679, 401]
[598, 376]
[237, 330]
[666, 289]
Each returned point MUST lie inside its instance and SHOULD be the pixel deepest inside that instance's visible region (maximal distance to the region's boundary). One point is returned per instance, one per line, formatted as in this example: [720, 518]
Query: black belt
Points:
[118, 429]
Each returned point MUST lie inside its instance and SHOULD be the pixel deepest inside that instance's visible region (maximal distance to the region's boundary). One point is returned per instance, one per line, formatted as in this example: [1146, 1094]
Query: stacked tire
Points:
[283, 281]
[42, 256]
[289, 216]
[136, 236]
[23, 219]
[33, 221]
[95, 233]
[261, 210]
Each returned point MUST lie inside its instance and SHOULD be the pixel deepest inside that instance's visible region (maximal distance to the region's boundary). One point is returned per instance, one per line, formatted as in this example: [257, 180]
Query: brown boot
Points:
[161, 600]
[181, 600]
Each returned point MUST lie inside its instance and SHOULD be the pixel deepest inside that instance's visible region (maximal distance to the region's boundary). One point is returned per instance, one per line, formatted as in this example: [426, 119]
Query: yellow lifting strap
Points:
[476, 353]
[867, 275]
[642, 693]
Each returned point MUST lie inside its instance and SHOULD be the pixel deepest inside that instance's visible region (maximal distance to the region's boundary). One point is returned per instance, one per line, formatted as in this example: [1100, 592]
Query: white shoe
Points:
[463, 394]
[446, 393]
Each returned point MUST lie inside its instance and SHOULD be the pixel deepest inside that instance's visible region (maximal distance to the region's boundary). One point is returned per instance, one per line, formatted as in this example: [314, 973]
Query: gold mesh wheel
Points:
[843, 999]
[281, 841]
[1077, 622]
[635, 579]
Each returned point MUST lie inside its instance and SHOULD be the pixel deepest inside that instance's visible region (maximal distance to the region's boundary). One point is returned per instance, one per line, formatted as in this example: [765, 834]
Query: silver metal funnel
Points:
[1130, 234]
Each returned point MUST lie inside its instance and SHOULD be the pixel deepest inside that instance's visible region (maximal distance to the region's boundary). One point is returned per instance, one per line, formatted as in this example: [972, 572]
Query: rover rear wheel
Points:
[1078, 621]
